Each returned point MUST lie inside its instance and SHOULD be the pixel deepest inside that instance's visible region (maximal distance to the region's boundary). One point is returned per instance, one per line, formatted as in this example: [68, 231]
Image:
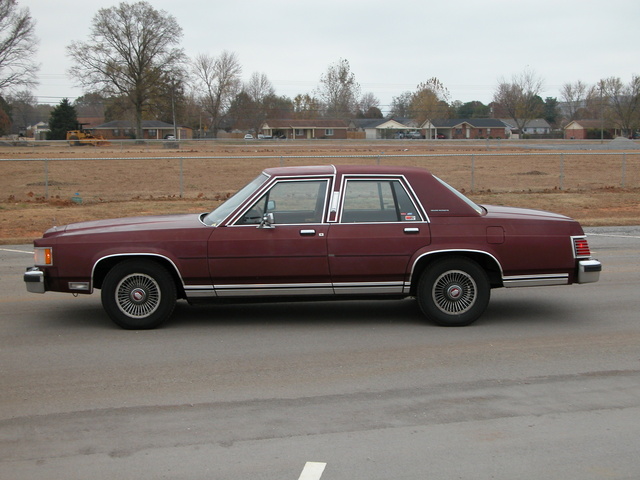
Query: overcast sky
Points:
[392, 46]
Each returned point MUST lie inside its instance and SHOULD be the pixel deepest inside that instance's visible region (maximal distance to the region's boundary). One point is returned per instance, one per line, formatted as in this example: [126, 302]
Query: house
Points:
[535, 126]
[465, 128]
[299, 129]
[151, 130]
[584, 129]
[38, 131]
[383, 128]
[90, 115]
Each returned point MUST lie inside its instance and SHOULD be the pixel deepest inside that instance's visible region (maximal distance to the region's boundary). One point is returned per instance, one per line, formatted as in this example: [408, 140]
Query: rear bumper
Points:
[34, 280]
[589, 271]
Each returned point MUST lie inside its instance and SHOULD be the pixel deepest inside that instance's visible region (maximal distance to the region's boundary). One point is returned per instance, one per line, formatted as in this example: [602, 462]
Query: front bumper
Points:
[589, 271]
[34, 280]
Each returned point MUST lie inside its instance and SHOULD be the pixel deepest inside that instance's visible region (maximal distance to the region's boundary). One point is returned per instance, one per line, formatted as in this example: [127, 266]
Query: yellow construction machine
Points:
[81, 137]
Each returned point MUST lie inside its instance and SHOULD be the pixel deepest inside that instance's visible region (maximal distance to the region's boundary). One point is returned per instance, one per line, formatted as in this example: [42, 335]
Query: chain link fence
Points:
[215, 177]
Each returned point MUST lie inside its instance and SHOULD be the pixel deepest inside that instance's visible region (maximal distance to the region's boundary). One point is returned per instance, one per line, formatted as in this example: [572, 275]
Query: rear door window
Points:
[377, 201]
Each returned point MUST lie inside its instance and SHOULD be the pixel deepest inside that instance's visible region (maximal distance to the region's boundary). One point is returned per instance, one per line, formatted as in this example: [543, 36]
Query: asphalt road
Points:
[545, 385]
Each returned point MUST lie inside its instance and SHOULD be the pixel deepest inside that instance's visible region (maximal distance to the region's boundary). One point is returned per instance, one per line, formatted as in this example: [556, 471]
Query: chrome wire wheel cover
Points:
[138, 295]
[454, 292]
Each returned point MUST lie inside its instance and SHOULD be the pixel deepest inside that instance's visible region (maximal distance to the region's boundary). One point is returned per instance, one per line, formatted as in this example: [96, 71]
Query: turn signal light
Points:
[43, 256]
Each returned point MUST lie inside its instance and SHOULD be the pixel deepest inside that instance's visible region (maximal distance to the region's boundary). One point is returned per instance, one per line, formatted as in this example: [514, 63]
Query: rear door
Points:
[379, 227]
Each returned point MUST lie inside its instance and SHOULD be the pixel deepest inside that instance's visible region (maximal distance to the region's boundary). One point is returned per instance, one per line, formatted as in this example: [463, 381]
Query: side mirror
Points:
[267, 221]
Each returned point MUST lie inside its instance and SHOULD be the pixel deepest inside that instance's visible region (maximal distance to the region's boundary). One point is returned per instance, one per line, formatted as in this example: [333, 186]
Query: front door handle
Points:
[309, 232]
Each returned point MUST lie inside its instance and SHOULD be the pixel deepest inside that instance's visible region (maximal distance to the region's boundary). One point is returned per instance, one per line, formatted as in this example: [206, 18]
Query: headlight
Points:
[43, 256]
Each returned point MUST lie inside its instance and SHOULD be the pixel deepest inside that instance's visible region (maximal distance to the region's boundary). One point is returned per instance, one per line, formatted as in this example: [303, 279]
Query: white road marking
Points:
[15, 251]
[312, 471]
[611, 235]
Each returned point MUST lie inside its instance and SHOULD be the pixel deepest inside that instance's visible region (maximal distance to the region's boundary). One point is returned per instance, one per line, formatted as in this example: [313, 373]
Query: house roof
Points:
[578, 124]
[398, 123]
[533, 123]
[368, 122]
[305, 124]
[146, 124]
[473, 122]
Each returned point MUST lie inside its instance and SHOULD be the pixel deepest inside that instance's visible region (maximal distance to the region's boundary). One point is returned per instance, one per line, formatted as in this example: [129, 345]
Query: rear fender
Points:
[486, 260]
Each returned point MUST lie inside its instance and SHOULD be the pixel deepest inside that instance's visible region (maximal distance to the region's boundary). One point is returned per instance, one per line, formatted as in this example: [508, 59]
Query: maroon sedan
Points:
[324, 232]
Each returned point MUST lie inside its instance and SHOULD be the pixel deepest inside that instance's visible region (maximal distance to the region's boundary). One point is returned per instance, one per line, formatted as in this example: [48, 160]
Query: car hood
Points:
[522, 213]
[156, 222]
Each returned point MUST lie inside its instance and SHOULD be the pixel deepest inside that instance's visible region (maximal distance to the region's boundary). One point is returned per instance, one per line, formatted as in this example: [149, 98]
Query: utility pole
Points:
[173, 108]
[601, 112]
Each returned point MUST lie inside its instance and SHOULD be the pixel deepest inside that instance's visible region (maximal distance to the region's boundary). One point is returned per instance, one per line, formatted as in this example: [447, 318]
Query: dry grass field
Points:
[596, 188]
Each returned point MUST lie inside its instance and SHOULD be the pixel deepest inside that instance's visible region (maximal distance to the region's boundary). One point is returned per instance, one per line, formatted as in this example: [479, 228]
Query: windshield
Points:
[472, 204]
[224, 210]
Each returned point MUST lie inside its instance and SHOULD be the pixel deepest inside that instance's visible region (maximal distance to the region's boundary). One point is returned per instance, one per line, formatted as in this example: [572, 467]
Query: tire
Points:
[138, 294]
[454, 292]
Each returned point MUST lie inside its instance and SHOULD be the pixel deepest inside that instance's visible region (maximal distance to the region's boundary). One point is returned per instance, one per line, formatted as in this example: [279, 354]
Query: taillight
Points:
[581, 247]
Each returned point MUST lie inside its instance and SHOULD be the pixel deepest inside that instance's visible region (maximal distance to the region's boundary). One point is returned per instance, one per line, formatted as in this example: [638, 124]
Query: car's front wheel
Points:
[138, 294]
[454, 292]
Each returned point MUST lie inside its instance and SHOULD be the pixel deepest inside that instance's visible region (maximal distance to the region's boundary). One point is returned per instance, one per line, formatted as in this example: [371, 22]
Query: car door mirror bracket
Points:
[267, 221]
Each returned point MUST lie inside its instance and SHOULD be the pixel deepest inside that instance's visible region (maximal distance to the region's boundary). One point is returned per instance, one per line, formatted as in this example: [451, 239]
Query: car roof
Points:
[345, 170]
[432, 193]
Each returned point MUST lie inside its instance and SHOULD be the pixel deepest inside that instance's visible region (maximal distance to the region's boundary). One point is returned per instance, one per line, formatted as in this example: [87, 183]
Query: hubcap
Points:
[138, 295]
[454, 292]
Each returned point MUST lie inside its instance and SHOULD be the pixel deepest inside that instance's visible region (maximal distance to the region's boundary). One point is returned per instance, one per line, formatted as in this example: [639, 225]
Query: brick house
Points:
[584, 129]
[384, 128]
[151, 130]
[306, 129]
[535, 126]
[465, 128]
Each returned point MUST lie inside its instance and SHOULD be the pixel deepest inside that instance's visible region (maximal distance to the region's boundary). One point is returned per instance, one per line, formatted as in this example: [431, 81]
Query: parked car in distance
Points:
[439, 136]
[248, 136]
[414, 135]
[264, 137]
[317, 232]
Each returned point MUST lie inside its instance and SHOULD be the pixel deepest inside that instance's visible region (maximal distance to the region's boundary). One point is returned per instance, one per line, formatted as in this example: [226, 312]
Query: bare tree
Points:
[217, 81]
[259, 89]
[520, 99]
[369, 106]
[18, 45]
[339, 90]
[622, 102]
[24, 110]
[574, 95]
[130, 51]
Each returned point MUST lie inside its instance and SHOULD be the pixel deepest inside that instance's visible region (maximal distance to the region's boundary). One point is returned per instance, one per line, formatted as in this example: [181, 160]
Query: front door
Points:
[287, 255]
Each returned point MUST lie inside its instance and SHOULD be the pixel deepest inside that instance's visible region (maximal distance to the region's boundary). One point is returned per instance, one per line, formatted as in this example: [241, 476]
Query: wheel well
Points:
[486, 261]
[104, 265]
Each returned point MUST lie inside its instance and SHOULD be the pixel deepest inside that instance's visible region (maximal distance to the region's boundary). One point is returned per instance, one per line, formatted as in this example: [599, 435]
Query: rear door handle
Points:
[411, 230]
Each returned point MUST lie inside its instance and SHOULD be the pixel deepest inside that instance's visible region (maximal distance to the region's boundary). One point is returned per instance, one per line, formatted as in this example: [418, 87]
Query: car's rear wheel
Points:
[138, 294]
[454, 292]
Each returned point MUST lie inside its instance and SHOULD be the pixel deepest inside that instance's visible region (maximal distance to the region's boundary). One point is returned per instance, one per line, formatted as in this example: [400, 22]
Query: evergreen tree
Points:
[63, 118]
[5, 117]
